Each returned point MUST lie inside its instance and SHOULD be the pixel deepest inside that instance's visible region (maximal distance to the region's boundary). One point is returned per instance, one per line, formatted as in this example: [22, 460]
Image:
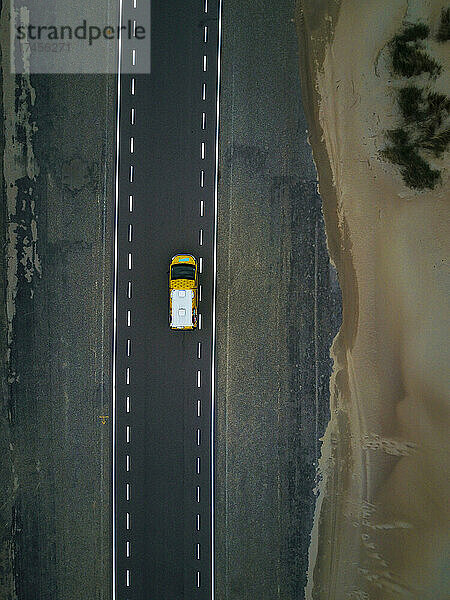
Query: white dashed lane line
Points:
[131, 178]
[202, 182]
[129, 294]
[130, 259]
[200, 289]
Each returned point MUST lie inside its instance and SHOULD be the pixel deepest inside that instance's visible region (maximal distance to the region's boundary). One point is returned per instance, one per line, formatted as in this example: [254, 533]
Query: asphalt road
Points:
[162, 418]
[272, 340]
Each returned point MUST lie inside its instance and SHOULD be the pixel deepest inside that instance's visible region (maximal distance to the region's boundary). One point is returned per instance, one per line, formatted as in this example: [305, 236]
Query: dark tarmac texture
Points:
[278, 309]
[57, 181]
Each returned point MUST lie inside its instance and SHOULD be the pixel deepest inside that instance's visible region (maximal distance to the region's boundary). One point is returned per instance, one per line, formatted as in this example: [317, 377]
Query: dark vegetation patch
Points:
[424, 130]
[412, 33]
[443, 34]
[416, 172]
[409, 57]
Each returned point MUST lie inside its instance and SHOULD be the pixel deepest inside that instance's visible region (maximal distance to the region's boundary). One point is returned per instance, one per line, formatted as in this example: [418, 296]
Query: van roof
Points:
[182, 308]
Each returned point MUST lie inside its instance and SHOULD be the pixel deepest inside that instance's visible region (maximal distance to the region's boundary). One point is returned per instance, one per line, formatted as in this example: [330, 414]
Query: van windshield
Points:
[183, 272]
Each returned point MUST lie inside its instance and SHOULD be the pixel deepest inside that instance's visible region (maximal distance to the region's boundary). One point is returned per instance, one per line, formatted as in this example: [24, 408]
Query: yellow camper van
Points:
[183, 292]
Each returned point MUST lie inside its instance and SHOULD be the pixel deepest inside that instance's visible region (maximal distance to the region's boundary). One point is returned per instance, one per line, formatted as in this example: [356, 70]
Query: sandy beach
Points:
[381, 527]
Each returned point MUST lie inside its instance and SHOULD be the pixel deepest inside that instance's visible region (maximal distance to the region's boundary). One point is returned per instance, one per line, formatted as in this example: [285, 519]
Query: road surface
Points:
[162, 379]
[277, 311]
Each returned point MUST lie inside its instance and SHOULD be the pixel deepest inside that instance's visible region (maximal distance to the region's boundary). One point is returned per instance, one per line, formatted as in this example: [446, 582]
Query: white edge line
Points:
[115, 286]
[213, 345]
[213, 307]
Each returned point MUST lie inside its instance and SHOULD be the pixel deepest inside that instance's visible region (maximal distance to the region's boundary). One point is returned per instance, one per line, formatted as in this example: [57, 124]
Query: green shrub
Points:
[436, 143]
[435, 112]
[419, 175]
[412, 33]
[399, 137]
[416, 172]
[423, 112]
[443, 34]
[400, 153]
[408, 55]
[438, 104]
[409, 100]
[408, 61]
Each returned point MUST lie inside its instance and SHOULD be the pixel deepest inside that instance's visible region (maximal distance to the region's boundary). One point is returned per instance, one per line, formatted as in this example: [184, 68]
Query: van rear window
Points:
[183, 272]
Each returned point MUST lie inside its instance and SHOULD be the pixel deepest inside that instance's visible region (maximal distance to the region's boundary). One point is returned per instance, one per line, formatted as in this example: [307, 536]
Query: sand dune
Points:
[382, 521]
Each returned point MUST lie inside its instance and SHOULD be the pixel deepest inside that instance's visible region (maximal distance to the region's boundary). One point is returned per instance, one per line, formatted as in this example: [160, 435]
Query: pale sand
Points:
[382, 520]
